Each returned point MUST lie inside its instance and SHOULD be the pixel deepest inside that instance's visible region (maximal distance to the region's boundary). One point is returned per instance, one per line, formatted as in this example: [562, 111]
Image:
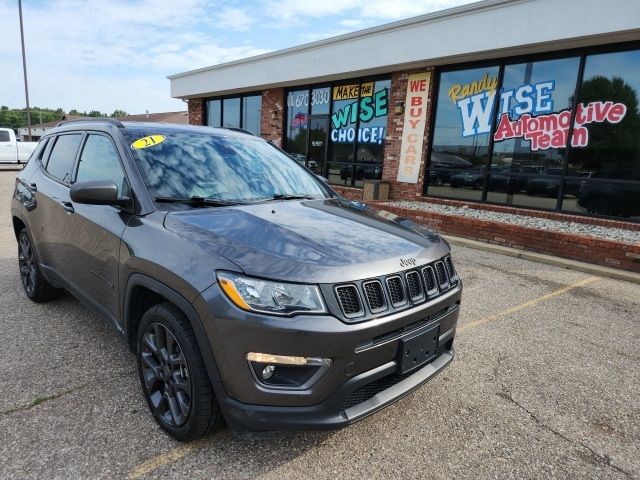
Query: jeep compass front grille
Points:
[349, 300]
[361, 299]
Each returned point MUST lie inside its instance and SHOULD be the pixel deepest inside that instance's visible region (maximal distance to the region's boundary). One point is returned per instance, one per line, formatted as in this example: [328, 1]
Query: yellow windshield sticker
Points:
[149, 141]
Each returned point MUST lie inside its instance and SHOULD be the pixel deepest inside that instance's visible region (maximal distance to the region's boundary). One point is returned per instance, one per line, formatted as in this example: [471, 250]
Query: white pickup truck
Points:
[12, 151]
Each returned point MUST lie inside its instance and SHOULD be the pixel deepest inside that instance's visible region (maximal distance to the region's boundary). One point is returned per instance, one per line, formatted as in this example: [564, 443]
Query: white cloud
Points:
[234, 19]
[97, 54]
[88, 54]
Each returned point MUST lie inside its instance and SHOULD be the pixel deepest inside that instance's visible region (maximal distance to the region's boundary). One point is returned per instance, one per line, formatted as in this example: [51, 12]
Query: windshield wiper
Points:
[215, 202]
[284, 196]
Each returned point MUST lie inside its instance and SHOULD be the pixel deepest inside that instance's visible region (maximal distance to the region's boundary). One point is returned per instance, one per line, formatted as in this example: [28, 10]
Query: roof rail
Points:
[112, 121]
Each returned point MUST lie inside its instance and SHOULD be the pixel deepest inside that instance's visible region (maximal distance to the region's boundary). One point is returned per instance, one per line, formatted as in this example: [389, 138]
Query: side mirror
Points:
[97, 192]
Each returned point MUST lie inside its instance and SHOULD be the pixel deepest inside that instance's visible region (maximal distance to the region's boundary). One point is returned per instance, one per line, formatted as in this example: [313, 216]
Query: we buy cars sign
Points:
[415, 117]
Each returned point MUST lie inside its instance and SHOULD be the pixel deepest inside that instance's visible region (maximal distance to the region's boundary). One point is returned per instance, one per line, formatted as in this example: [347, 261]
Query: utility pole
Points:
[24, 69]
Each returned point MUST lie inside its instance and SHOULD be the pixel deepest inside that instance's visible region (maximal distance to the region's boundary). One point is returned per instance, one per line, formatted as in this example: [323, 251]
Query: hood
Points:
[315, 241]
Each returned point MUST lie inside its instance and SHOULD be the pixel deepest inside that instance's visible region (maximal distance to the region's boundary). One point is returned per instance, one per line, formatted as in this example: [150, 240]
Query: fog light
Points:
[267, 373]
[288, 360]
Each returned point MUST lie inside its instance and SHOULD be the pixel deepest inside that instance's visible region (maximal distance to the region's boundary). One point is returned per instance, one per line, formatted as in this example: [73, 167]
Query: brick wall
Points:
[625, 256]
[395, 125]
[196, 111]
[348, 192]
[273, 129]
[529, 212]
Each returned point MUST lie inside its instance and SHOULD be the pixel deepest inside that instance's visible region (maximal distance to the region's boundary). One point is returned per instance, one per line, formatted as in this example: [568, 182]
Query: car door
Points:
[7, 147]
[94, 231]
[49, 215]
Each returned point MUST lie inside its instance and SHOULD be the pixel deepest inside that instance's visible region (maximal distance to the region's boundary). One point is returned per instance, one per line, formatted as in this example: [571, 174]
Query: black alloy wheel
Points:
[37, 288]
[174, 379]
[27, 264]
[166, 375]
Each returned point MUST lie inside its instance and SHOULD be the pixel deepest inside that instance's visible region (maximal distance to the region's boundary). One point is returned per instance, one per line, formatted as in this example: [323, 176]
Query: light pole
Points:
[24, 69]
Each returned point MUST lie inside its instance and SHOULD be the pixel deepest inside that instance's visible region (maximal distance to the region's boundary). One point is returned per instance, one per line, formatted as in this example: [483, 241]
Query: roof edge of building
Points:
[399, 24]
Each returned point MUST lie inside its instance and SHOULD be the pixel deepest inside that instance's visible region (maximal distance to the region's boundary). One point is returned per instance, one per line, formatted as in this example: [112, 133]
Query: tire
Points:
[37, 288]
[173, 377]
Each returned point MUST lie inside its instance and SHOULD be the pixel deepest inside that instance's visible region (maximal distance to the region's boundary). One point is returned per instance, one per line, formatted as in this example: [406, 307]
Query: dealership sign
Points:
[415, 117]
[366, 106]
[532, 118]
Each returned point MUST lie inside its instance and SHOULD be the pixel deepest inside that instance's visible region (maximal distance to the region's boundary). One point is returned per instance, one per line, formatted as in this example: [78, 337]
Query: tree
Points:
[612, 147]
[118, 113]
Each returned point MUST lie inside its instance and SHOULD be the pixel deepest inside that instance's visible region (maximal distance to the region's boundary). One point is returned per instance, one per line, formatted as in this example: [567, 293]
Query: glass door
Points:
[318, 139]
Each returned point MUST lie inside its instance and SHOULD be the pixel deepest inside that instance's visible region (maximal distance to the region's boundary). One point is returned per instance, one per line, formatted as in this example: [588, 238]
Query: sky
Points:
[116, 54]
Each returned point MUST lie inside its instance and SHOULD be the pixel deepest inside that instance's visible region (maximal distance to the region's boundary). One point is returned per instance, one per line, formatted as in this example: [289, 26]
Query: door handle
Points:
[67, 207]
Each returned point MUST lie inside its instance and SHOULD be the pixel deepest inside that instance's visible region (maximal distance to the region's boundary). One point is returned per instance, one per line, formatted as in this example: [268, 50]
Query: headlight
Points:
[271, 297]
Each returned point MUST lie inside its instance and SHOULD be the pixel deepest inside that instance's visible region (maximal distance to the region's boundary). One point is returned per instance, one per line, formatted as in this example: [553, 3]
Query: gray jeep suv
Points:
[248, 289]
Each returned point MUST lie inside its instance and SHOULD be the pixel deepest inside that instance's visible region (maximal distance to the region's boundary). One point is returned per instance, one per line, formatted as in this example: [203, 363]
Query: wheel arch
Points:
[18, 225]
[142, 293]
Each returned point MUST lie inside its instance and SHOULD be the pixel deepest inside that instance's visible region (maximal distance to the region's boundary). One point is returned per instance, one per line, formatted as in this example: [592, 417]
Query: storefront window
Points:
[608, 113]
[297, 124]
[522, 121]
[235, 112]
[534, 114]
[231, 113]
[251, 111]
[214, 113]
[320, 101]
[608, 103]
[463, 125]
[358, 131]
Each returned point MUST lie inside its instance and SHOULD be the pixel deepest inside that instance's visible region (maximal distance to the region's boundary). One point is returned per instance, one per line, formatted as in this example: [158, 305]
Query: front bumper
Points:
[363, 378]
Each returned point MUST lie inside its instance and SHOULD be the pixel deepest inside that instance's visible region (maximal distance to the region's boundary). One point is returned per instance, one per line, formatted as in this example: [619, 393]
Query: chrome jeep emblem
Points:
[405, 262]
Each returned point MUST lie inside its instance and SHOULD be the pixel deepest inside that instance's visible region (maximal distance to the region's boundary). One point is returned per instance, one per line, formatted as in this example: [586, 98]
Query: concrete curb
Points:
[547, 259]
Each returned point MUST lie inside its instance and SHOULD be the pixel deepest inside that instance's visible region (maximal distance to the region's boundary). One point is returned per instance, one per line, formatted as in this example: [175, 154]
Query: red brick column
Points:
[196, 111]
[273, 128]
[395, 124]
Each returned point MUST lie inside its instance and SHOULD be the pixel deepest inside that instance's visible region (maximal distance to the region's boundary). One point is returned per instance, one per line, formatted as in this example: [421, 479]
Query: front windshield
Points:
[224, 167]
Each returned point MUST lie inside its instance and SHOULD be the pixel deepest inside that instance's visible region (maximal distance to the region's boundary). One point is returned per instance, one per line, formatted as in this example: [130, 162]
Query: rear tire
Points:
[37, 288]
[173, 376]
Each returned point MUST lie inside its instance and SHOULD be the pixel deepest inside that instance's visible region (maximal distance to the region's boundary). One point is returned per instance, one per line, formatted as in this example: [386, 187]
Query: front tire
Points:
[37, 288]
[173, 376]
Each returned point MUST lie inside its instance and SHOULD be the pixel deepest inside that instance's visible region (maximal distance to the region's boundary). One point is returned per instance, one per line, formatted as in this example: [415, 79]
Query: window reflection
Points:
[613, 149]
[224, 167]
[236, 112]
[231, 113]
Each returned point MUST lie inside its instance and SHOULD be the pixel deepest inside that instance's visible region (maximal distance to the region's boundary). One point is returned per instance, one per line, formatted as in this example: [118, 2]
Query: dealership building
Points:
[526, 103]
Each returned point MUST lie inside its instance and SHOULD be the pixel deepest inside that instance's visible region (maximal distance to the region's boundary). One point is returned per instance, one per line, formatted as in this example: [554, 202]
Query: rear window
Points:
[63, 156]
[4, 136]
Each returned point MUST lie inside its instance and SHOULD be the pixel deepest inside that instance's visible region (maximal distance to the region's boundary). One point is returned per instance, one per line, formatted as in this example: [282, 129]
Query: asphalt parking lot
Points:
[546, 383]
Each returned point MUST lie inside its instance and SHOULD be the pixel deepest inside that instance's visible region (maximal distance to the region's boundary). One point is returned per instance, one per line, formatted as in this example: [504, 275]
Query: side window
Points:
[99, 160]
[4, 136]
[63, 156]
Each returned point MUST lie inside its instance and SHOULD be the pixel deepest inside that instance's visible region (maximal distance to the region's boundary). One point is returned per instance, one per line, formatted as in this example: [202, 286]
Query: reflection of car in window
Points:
[603, 196]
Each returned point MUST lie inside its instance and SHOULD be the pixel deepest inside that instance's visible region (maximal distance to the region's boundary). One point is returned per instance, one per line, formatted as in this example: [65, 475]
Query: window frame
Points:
[83, 143]
[222, 98]
[501, 63]
[309, 87]
[49, 149]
